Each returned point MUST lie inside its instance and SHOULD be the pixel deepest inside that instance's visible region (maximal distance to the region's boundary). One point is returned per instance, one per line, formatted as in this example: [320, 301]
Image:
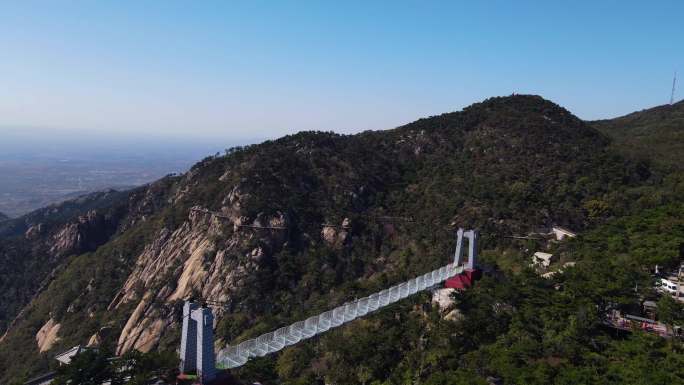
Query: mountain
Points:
[284, 229]
[3, 217]
[60, 213]
[655, 134]
[34, 246]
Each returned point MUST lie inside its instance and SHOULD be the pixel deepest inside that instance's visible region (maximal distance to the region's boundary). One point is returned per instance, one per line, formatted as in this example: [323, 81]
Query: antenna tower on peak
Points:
[674, 83]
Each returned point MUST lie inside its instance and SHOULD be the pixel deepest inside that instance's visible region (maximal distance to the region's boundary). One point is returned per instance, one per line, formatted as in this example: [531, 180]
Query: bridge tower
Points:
[188, 348]
[471, 235]
[197, 342]
[470, 273]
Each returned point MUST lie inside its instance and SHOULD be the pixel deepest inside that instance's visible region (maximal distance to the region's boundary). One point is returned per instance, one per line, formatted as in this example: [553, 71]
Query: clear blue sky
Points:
[234, 71]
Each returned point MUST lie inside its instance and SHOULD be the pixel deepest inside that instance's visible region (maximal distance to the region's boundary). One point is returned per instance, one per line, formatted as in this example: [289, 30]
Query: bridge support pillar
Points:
[470, 271]
[197, 342]
[471, 235]
[188, 348]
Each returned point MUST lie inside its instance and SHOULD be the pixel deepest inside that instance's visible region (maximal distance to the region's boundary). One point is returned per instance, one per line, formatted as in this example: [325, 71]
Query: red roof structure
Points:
[463, 280]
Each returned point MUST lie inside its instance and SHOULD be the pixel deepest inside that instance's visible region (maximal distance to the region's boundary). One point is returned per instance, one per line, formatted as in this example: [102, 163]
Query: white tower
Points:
[197, 342]
[472, 248]
[188, 348]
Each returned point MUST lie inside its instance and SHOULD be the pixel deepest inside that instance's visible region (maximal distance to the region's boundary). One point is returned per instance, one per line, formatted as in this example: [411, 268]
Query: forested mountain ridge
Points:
[34, 246]
[3, 217]
[506, 166]
[655, 134]
[61, 212]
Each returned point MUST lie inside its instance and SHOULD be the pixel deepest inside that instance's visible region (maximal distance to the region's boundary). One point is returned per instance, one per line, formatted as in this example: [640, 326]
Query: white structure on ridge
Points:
[197, 342]
[542, 259]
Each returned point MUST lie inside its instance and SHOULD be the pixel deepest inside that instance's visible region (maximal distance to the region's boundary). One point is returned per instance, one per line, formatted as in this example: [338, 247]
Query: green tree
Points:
[669, 310]
[88, 368]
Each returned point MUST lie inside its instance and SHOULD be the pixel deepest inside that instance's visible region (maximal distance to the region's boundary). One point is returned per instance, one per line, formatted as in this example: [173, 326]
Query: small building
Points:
[561, 233]
[650, 309]
[65, 357]
[541, 259]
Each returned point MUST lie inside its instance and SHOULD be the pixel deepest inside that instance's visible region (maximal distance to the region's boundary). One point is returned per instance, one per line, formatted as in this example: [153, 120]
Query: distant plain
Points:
[36, 172]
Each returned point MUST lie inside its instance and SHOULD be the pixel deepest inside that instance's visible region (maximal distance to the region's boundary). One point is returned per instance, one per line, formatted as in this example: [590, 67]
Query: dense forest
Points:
[654, 134]
[507, 166]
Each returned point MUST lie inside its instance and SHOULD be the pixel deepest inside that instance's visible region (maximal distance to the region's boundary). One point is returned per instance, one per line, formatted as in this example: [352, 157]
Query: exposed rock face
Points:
[34, 231]
[138, 329]
[97, 338]
[232, 204]
[93, 341]
[329, 234]
[36, 244]
[88, 232]
[209, 256]
[336, 236]
[47, 335]
[442, 297]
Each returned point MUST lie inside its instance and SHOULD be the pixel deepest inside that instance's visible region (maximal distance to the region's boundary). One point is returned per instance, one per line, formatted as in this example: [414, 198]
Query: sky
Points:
[233, 72]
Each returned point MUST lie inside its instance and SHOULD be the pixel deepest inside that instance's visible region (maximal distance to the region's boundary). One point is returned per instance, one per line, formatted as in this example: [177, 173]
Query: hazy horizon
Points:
[19, 139]
[39, 168]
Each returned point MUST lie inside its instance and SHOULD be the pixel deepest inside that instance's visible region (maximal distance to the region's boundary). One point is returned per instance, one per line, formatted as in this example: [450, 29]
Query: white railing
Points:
[238, 355]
